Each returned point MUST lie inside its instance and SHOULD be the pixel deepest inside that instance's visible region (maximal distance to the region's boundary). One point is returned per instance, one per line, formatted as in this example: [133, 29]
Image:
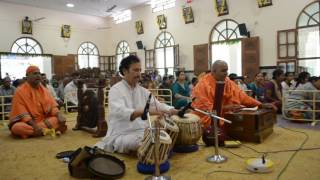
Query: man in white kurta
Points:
[71, 92]
[127, 100]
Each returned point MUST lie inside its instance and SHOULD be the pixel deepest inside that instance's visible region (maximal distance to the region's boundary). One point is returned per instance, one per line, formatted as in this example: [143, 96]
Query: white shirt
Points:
[123, 101]
[71, 92]
[286, 87]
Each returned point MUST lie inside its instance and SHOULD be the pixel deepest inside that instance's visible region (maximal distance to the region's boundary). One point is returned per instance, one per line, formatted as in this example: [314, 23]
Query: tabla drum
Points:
[146, 150]
[190, 129]
[171, 128]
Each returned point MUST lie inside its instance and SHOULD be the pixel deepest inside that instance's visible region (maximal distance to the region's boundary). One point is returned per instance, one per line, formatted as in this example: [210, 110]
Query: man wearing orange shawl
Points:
[233, 97]
[34, 108]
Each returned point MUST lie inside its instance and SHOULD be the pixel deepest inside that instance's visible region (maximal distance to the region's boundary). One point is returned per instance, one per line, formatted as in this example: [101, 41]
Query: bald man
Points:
[233, 97]
[33, 108]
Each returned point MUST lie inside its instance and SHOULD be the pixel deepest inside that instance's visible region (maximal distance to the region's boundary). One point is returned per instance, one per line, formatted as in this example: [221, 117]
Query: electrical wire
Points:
[226, 171]
[265, 153]
[294, 154]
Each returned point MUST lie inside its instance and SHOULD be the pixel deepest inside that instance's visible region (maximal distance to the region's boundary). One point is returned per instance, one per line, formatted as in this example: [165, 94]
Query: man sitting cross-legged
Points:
[33, 108]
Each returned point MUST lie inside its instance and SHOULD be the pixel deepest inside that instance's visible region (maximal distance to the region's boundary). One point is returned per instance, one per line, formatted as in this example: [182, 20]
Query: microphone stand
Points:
[216, 158]
[155, 139]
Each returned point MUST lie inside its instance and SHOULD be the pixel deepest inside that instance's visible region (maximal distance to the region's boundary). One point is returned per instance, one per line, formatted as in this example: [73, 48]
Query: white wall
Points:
[47, 31]
[262, 22]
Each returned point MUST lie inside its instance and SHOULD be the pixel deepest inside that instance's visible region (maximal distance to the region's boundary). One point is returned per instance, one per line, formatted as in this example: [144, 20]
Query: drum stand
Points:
[216, 158]
[155, 138]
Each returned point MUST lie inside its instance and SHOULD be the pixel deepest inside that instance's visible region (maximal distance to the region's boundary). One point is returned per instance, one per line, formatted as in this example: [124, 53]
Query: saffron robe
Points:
[32, 103]
[204, 93]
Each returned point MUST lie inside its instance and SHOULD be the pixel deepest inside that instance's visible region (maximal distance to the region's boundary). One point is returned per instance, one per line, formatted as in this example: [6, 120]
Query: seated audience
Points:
[303, 77]
[289, 82]
[152, 87]
[45, 83]
[7, 90]
[273, 89]
[294, 103]
[257, 87]
[71, 90]
[165, 85]
[193, 83]
[33, 108]
[180, 91]
[239, 81]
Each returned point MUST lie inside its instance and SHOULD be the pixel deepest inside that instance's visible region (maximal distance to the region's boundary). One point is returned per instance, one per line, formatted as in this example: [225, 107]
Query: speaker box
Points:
[139, 44]
[243, 29]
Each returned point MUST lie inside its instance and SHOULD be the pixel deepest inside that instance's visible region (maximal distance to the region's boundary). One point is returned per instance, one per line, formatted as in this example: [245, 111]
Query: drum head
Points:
[187, 118]
[169, 124]
[164, 137]
[106, 166]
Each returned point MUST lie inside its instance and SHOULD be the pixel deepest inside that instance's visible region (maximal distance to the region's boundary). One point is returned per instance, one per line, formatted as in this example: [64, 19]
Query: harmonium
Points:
[250, 126]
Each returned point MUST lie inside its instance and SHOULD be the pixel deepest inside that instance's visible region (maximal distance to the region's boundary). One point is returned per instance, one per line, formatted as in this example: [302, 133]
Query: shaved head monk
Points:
[233, 97]
[34, 108]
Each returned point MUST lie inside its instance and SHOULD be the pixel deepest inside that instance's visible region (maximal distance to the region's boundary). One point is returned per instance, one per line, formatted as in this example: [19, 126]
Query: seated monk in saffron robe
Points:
[34, 108]
[233, 97]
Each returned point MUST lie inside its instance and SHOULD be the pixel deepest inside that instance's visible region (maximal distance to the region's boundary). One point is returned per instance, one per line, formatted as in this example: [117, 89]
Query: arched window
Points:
[308, 38]
[225, 45]
[164, 53]
[122, 51]
[25, 51]
[26, 45]
[88, 55]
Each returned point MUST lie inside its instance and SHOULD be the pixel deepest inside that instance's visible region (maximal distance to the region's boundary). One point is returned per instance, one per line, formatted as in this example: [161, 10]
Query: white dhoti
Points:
[124, 143]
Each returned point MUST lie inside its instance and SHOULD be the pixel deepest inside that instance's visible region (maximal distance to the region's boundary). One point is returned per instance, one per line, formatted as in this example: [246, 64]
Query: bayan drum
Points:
[190, 131]
[106, 166]
[146, 150]
[171, 128]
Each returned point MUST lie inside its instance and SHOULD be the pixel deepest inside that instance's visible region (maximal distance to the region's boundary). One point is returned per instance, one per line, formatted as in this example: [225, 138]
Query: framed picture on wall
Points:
[66, 31]
[139, 27]
[187, 15]
[162, 21]
[221, 7]
[26, 26]
[264, 3]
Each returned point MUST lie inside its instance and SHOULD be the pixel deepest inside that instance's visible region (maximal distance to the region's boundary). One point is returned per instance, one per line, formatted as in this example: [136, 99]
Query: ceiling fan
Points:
[110, 9]
[35, 19]
[38, 19]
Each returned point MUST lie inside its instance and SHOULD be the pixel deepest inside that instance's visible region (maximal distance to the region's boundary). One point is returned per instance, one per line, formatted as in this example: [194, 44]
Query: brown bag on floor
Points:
[78, 163]
[90, 162]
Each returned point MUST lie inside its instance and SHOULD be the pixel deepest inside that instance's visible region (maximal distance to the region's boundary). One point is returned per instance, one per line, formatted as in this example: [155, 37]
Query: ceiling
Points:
[86, 7]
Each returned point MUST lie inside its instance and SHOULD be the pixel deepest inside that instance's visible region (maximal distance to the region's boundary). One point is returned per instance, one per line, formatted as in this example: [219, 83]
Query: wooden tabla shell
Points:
[190, 129]
[146, 152]
[171, 128]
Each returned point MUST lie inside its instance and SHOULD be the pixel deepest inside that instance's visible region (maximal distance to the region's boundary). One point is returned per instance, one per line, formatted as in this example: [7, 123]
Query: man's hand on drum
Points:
[173, 111]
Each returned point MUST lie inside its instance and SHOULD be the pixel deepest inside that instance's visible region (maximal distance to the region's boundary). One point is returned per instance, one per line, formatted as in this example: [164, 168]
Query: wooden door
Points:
[200, 58]
[250, 57]
[63, 64]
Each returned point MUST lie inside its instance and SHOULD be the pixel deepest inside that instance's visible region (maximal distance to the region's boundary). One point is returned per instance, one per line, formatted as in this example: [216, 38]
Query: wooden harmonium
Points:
[250, 126]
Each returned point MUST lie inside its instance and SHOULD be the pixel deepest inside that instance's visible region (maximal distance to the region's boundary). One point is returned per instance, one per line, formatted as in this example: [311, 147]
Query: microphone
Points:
[146, 109]
[185, 108]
